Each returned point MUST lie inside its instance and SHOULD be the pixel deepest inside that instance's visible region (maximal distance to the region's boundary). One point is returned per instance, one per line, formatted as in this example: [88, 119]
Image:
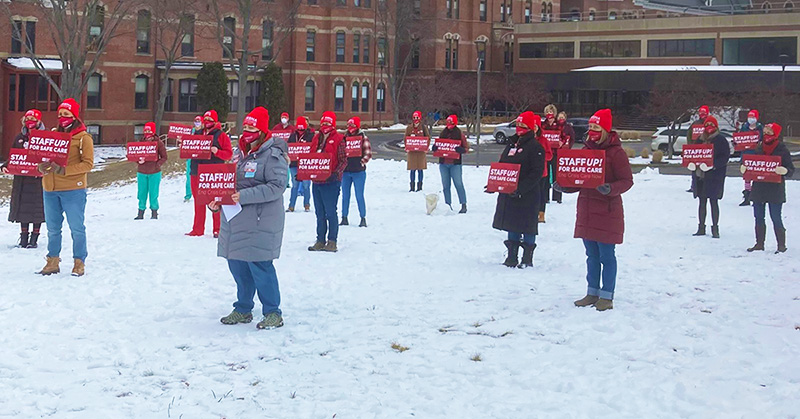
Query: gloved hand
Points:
[461, 150]
[141, 160]
[704, 167]
[516, 195]
[434, 148]
[743, 169]
[604, 189]
[781, 170]
[691, 166]
[558, 187]
[44, 167]
[486, 189]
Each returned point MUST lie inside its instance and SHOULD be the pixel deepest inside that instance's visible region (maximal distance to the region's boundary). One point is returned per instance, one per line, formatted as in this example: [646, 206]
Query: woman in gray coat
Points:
[251, 239]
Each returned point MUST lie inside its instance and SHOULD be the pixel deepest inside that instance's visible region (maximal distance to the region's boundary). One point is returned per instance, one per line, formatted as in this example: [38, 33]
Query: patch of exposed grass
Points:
[399, 348]
[476, 358]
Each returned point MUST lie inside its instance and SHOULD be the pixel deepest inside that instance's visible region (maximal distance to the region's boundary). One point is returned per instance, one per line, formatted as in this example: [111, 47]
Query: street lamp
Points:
[480, 46]
[783, 59]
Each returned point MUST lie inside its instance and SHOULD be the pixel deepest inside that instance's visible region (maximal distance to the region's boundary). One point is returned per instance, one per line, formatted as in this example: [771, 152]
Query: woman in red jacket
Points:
[600, 221]
[326, 191]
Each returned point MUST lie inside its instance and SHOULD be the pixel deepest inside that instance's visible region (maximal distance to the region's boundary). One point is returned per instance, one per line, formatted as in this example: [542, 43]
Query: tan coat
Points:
[79, 163]
[417, 160]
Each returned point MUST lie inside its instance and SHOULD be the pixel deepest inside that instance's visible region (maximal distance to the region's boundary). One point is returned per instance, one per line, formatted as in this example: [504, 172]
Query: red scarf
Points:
[769, 148]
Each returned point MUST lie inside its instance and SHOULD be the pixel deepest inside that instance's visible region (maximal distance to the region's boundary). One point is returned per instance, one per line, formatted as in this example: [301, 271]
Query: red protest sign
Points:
[354, 146]
[553, 138]
[447, 148]
[296, 149]
[146, 150]
[697, 131]
[19, 165]
[217, 182]
[503, 178]
[581, 168]
[49, 146]
[283, 135]
[314, 166]
[761, 168]
[196, 147]
[747, 140]
[414, 143]
[177, 131]
[697, 153]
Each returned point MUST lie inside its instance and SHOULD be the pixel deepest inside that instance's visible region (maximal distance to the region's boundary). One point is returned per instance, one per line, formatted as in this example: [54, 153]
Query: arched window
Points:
[380, 97]
[575, 15]
[338, 96]
[612, 15]
[354, 94]
[142, 84]
[789, 6]
[544, 12]
[310, 95]
[592, 14]
[766, 7]
[365, 97]
[550, 12]
[94, 90]
[228, 34]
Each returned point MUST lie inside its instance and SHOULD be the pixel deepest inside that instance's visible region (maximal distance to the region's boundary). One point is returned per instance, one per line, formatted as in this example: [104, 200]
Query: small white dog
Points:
[430, 202]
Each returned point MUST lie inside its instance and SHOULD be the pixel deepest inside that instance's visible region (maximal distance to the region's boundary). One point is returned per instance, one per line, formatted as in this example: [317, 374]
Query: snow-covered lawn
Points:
[700, 328]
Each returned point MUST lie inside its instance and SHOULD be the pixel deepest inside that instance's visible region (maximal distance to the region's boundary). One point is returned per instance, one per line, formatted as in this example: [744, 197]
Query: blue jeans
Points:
[528, 239]
[73, 204]
[421, 175]
[452, 172]
[252, 278]
[760, 211]
[597, 255]
[326, 196]
[357, 179]
[306, 184]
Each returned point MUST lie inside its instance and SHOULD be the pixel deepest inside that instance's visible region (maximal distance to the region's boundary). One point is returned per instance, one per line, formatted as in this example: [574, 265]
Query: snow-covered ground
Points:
[700, 328]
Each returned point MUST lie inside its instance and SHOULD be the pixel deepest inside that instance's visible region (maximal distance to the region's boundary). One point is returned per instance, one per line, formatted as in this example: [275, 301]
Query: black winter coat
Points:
[774, 193]
[27, 204]
[711, 184]
[520, 215]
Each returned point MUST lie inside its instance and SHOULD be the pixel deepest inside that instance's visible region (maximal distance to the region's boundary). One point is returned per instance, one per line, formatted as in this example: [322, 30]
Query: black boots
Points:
[780, 235]
[411, 187]
[701, 230]
[463, 209]
[527, 255]
[23, 239]
[745, 198]
[714, 232]
[32, 243]
[344, 222]
[513, 253]
[419, 186]
[140, 215]
[761, 235]
[154, 214]
[363, 222]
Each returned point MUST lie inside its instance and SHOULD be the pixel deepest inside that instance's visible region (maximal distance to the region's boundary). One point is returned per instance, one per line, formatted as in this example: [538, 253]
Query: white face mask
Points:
[284, 121]
[752, 121]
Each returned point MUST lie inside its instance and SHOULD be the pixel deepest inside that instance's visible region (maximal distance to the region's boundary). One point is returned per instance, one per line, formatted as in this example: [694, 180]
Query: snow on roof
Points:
[699, 68]
[24, 63]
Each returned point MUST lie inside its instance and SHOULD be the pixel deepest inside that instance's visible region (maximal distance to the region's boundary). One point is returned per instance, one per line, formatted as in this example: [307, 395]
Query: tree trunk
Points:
[162, 95]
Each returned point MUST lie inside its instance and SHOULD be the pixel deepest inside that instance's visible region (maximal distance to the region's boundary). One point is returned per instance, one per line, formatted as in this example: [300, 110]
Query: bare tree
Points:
[523, 92]
[81, 30]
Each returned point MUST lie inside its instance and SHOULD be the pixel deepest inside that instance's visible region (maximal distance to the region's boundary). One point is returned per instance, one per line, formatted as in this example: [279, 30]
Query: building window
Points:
[380, 97]
[766, 7]
[365, 97]
[266, 40]
[16, 37]
[680, 48]
[94, 90]
[340, 40]
[366, 49]
[187, 96]
[508, 56]
[311, 37]
[233, 95]
[96, 131]
[505, 10]
[612, 15]
[455, 53]
[341, 2]
[143, 32]
[338, 96]
[141, 87]
[354, 98]
[228, 34]
[381, 51]
[749, 51]
[611, 49]
[547, 50]
[575, 15]
[482, 55]
[366, 3]
[447, 53]
[592, 13]
[312, 2]
[138, 132]
[448, 6]
[310, 95]
[96, 27]
[456, 9]
[482, 10]
[415, 54]
[528, 11]
[418, 7]
[169, 99]
[252, 92]
[12, 92]
[356, 47]
[789, 6]
[187, 43]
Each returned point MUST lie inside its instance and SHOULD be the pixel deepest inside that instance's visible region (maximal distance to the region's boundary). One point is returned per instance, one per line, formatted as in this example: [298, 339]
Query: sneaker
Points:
[317, 247]
[235, 318]
[589, 300]
[603, 304]
[270, 321]
[308, 208]
[290, 209]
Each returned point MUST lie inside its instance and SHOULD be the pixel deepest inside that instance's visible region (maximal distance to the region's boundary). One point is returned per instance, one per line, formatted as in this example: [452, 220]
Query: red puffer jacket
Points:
[600, 217]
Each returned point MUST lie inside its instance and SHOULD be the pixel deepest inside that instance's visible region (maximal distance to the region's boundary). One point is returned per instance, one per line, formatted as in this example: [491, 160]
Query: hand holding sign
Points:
[781, 170]
[762, 168]
[217, 183]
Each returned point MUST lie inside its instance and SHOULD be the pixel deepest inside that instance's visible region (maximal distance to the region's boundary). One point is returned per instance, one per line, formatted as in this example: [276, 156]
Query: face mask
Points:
[450, 124]
[594, 136]
[752, 121]
[326, 129]
[769, 139]
[284, 121]
[710, 129]
[702, 115]
[65, 121]
[522, 130]
[562, 121]
[209, 124]
[351, 129]
[198, 124]
[249, 137]
[31, 124]
[550, 116]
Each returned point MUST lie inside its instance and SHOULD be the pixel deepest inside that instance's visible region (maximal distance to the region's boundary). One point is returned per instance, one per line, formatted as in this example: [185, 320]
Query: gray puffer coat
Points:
[256, 233]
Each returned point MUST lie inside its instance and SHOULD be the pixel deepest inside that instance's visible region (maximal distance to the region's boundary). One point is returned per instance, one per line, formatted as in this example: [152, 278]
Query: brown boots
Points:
[601, 304]
[541, 216]
[761, 236]
[78, 269]
[330, 246]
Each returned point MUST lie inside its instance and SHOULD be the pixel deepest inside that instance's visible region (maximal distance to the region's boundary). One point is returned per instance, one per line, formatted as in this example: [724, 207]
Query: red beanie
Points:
[602, 118]
[355, 121]
[285, 115]
[211, 114]
[704, 109]
[452, 119]
[34, 113]
[328, 117]
[417, 115]
[150, 128]
[712, 120]
[530, 119]
[72, 106]
[259, 118]
[776, 129]
[198, 118]
[302, 123]
[753, 113]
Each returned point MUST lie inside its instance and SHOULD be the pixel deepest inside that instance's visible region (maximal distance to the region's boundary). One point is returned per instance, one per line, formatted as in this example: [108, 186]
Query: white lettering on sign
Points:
[579, 161]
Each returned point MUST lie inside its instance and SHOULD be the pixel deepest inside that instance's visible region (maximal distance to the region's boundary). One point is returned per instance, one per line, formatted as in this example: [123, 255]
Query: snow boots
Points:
[780, 235]
[154, 214]
[463, 209]
[363, 222]
[235, 318]
[419, 186]
[32, 243]
[541, 217]
[330, 247]
[745, 198]
[761, 235]
[23, 239]
[290, 209]
[513, 253]
[79, 268]
[714, 232]
[602, 304]
[307, 208]
[411, 187]
[140, 215]
[317, 247]
[51, 267]
[589, 300]
[344, 222]
[527, 256]
[701, 230]
[270, 321]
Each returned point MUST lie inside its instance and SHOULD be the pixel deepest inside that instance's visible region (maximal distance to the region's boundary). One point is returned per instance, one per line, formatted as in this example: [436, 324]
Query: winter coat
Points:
[759, 128]
[567, 136]
[520, 215]
[336, 147]
[27, 204]
[307, 137]
[601, 217]
[774, 193]
[280, 127]
[711, 184]
[80, 162]
[256, 233]
[225, 149]
[151, 167]
[417, 160]
[453, 134]
[359, 163]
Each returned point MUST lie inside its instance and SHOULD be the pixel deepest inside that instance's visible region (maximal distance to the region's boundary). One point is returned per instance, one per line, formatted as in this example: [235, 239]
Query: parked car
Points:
[503, 131]
[581, 127]
[661, 140]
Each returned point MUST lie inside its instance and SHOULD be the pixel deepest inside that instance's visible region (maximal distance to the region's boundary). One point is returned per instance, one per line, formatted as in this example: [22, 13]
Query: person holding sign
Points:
[516, 211]
[326, 191]
[708, 182]
[65, 191]
[752, 124]
[302, 134]
[221, 151]
[550, 126]
[774, 194]
[696, 129]
[27, 206]
[450, 168]
[250, 240]
[196, 130]
[284, 125]
[148, 174]
[355, 173]
[600, 220]
[417, 161]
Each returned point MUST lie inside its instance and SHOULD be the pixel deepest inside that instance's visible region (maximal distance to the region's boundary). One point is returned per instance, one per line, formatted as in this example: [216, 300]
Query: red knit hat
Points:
[329, 118]
[259, 118]
[302, 123]
[211, 114]
[753, 113]
[34, 113]
[453, 119]
[602, 118]
[712, 120]
[150, 128]
[355, 121]
[776, 129]
[704, 110]
[416, 115]
[72, 106]
[530, 119]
